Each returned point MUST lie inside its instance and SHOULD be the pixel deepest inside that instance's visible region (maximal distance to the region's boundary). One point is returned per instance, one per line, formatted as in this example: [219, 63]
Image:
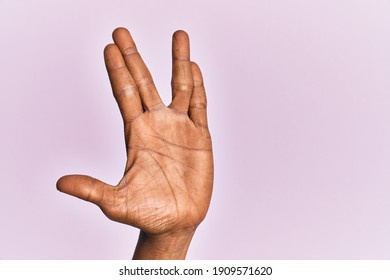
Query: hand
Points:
[168, 179]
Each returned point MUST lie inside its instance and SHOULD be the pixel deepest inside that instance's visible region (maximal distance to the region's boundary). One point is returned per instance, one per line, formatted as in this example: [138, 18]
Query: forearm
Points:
[167, 247]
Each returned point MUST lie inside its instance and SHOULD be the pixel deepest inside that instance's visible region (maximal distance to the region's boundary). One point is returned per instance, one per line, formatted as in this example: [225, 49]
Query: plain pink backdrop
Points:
[299, 99]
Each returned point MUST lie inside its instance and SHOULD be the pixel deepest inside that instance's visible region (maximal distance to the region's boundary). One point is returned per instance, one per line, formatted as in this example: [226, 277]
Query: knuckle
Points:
[182, 87]
[129, 51]
[198, 83]
[126, 91]
[199, 105]
[180, 57]
[145, 80]
[116, 68]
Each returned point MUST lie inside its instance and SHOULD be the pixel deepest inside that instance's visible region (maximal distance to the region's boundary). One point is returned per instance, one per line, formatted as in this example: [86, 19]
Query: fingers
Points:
[182, 80]
[86, 188]
[198, 103]
[138, 70]
[123, 86]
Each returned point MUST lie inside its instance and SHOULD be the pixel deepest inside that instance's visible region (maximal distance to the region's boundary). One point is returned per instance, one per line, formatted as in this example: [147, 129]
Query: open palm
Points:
[168, 177]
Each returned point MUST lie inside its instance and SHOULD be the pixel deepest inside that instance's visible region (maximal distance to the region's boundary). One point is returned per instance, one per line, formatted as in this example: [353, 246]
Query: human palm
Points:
[168, 178]
[167, 184]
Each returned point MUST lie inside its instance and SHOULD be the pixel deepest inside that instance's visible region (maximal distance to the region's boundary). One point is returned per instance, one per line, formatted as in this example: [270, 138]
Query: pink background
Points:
[299, 99]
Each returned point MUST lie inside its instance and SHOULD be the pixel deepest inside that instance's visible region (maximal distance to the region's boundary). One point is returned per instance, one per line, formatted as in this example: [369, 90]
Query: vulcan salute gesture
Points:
[167, 184]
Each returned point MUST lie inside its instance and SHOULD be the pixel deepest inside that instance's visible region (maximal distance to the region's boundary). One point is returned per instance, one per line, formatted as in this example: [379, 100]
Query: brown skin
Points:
[167, 184]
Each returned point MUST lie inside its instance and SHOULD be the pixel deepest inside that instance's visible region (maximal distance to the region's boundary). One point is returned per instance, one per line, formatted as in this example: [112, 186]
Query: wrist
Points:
[167, 246]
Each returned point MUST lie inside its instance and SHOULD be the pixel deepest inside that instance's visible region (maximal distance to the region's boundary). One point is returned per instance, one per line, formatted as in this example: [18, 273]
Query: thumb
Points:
[86, 188]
